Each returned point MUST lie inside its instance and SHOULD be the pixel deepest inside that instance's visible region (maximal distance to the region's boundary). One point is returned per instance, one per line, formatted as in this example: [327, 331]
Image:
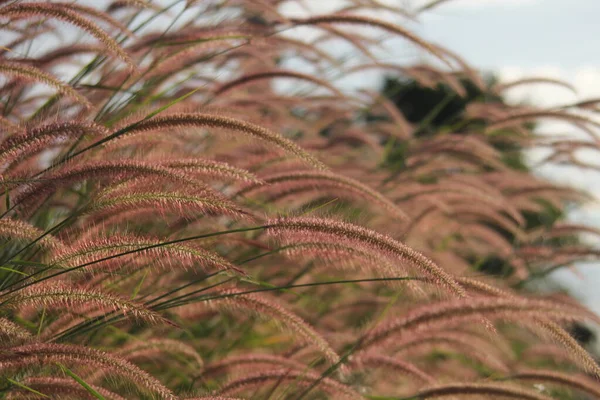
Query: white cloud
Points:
[297, 9]
[481, 3]
[545, 94]
[585, 80]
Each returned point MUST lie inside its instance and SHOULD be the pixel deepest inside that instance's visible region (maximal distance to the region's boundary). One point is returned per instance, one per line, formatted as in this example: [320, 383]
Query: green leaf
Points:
[27, 263]
[137, 288]
[197, 41]
[43, 317]
[81, 382]
[171, 103]
[27, 388]
[6, 199]
[315, 208]
[13, 270]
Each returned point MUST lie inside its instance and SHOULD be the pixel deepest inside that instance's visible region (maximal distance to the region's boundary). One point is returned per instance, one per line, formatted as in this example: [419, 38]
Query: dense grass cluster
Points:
[174, 225]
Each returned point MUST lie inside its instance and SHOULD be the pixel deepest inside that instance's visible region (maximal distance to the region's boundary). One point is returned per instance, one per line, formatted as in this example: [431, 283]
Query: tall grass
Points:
[175, 225]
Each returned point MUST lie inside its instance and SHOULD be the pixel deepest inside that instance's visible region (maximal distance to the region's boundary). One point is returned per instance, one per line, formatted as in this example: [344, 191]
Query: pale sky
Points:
[524, 33]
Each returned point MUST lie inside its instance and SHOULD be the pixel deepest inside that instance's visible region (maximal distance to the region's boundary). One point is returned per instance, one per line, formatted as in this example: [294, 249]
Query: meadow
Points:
[177, 224]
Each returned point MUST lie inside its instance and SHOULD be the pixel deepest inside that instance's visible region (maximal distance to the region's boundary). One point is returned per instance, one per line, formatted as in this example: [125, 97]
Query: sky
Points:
[519, 33]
